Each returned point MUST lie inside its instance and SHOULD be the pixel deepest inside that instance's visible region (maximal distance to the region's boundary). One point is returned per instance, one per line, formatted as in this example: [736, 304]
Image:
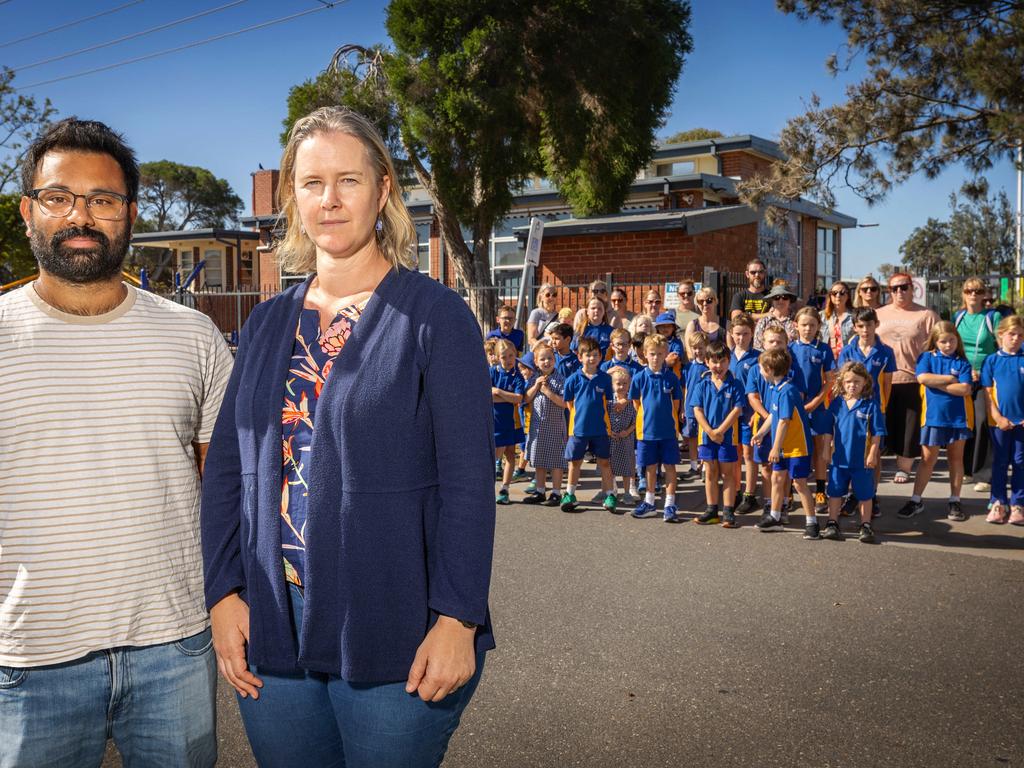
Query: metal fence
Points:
[944, 293]
[228, 309]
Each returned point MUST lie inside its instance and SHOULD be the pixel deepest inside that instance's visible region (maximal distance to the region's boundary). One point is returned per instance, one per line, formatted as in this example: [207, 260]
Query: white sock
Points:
[570, 488]
[776, 515]
[694, 466]
[812, 519]
[606, 492]
[670, 499]
[633, 490]
[542, 489]
[916, 499]
[649, 497]
[504, 489]
[954, 498]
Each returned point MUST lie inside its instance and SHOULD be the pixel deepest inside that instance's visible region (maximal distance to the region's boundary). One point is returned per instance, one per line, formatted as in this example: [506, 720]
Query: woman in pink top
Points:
[904, 325]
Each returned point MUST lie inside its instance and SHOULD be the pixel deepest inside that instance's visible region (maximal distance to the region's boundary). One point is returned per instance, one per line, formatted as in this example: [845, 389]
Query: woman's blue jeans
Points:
[311, 719]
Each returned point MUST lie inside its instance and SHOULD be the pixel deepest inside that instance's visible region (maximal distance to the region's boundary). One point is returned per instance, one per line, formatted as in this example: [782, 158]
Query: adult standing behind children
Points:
[781, 313]
[754, 300]
[598, 289]
[687, 310]
[708, 320]
[543, 314]
[904, 326]
[620, 301]
[837, 328]
[868, 294]
[386, 595]
[104, 627]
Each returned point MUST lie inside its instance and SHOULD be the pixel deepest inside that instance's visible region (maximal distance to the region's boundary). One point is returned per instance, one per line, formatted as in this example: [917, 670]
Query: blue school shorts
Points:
[724, 453]
[798, 467]
[764, 450]
[689, 427]
[509, 437]
[840, 479]
[600, 446]
[943, 435]
[650, 452]
[746, 432]
[822, 421]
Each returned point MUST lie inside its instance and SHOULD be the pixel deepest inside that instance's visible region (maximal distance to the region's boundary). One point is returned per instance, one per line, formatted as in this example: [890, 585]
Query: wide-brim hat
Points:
[780, 290]
[527, 361]
[665, 318]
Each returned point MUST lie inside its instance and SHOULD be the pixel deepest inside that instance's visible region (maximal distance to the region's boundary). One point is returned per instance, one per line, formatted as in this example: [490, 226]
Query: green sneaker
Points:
[502, 497]
[610, 502]
[569, 502]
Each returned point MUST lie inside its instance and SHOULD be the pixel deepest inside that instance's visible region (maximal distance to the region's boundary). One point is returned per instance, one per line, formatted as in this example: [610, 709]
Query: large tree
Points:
[944, 85]
[478, 96]
[16, 259]
[694, 134]
[976, 239]
[173, 196]
[22, 118]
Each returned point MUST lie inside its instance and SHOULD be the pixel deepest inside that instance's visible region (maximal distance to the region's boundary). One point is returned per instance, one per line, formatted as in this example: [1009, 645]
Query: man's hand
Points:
[229, 620]
[445, 660]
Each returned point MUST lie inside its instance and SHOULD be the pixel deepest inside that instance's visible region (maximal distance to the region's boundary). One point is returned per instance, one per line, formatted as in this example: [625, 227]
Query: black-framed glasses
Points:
[868, 288]
[974, 291]
[58, 203]
[704, 302]
[840, 293]
[901, 287]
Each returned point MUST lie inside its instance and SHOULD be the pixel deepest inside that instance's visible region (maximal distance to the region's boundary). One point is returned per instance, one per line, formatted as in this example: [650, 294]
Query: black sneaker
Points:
[534, 497]
[785, 512]
[832, 531]
[768, 523]
[554, 499]
[729, 519]
[956, 512]
[849, 505]
[910, 509]
[747, 506]
[710, 517]
[812, 531]
[876, 508]
[866, 535]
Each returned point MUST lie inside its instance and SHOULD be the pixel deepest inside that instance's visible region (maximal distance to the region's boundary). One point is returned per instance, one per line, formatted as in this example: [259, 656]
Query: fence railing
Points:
[228, 309]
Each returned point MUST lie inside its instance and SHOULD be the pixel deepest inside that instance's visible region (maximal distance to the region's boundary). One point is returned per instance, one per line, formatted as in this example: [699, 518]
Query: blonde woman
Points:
[868, 294]
[348, 590]
[545, 311]
[708, 319]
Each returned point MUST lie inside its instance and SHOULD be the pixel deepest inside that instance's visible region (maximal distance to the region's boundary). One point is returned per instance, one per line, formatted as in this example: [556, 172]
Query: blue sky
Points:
[221, 105]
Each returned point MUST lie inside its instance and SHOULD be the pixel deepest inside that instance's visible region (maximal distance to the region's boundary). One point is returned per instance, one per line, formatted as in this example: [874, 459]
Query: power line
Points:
[132, 36]
[58, 28]
[194, 44]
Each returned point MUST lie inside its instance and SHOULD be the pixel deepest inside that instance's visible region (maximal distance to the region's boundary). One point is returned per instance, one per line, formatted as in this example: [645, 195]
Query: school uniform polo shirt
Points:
[940, 408]
[516, 336]
[740, 367]
[507, 416]
[785, 402]
[692, 372]
[631, 365]
[655, 418]
[1003, 375]
[813, 361]
[855, 426]
[879, 359]
[587, 398]
[567, 364]
[717, 403]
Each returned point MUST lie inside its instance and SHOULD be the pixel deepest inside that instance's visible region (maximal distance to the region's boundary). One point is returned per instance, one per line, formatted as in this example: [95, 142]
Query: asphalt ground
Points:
[626, 642]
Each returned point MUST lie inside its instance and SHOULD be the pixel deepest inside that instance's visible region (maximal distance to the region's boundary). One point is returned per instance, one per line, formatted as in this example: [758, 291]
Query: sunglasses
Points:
[782, 298]
[705, 302]
[868, 289]
[686, 294]
[599, 290]
[974, 291]
[901, 287]
[755, 272]
[839, 293]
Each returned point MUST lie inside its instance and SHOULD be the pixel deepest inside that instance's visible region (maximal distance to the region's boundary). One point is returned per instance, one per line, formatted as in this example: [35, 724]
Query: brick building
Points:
[682, 215]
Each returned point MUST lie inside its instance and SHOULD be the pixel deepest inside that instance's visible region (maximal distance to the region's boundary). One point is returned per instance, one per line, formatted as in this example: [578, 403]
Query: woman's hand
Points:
[229, 620]
[445, 660]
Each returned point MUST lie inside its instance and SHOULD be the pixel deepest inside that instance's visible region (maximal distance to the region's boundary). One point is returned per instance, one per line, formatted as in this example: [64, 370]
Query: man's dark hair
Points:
[864, 315]
[74, 135]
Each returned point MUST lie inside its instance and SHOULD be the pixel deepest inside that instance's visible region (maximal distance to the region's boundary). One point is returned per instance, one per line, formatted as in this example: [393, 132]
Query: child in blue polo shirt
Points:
[587, 394]
[566, 360]
[692, 370]
[1002, 375]
[506, 319]
[815, 361]
[507, 389]
[859, 427]
[656, 393]
[790, 431]
[718, 402]
[621, 346]
[546, 432]
[743, 360]
[947, 420]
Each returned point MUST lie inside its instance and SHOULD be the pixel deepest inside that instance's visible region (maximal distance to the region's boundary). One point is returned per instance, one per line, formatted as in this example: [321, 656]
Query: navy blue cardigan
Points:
[401, 485]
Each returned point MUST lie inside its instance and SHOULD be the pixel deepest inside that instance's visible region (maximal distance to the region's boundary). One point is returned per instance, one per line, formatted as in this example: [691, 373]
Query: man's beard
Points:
[80, 265]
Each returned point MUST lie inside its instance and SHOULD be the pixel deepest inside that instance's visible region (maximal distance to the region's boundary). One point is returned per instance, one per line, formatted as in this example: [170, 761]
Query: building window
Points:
[245, 269]
[213, 269]
[423, 246]
[779, 248]
[677, 168]
[827, 258]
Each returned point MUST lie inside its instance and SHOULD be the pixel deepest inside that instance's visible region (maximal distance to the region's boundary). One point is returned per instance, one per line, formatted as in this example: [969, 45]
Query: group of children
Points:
[781, 414]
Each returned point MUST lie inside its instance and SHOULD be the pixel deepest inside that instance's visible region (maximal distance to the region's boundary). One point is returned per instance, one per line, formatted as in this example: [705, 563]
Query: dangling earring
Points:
[379, 225]
[302, 229]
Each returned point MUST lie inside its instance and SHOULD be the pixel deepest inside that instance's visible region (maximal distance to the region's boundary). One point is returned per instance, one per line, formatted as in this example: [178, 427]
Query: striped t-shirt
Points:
[99, 529]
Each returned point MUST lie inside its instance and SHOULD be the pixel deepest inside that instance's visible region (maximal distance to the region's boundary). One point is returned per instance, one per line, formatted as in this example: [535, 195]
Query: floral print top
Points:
[312, 359]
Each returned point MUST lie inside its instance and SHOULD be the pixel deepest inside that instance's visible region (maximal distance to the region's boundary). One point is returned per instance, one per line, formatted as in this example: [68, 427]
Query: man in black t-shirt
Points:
[752, 301]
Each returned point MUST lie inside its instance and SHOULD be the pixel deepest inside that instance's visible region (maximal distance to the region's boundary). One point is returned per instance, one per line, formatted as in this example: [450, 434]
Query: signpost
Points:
[530, 262]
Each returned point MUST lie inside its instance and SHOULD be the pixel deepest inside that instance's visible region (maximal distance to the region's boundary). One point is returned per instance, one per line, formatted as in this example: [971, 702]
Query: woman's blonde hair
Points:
[706, 292]
[858, 302]
[397, 238]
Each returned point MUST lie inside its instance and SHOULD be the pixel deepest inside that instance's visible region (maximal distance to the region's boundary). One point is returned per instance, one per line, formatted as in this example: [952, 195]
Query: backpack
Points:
[989, 319]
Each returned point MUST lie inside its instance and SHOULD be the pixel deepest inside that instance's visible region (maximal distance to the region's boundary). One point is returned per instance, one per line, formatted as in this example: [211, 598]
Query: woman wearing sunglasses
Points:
[708, 320]
[868, 294]
[905, 326]
[837, 329]
[620, 306]
[545, 311]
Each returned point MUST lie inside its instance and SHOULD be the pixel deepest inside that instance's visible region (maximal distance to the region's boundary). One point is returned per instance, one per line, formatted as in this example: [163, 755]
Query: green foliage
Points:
[22, 118]
[977, 238]
[176, 196]
[16, 259]
[694, 134]
[945, 85]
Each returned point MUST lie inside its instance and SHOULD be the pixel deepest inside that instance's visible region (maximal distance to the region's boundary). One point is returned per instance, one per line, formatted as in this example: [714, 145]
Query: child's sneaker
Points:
[518, 474]
[534, 497]
[1016, 515]
[569, 502]
[748, 505]
[910, 509]
[832, 531]
[812, 531]
[729, 519]
[629, 498]
[956, 512]
[785, 512]
[768, 523]
[670, 515]
[996, 513]
[641, 487]
[554, 499]
[866, 535]
[502, 497]
[497, 470]
[876, 508]
[849, 505]
[611, 504]
[820, 502]
[532, 487]
[643, 509]
[710, 517]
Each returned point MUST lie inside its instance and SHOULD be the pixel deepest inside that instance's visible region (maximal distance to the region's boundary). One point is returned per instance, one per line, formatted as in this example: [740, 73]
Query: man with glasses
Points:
[113, 394]
[687, 311]
[753, 300]
[904, 325]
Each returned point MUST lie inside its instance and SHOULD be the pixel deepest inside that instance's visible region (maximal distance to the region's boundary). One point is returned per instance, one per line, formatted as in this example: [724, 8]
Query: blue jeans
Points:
[310, 719]
[156, 702]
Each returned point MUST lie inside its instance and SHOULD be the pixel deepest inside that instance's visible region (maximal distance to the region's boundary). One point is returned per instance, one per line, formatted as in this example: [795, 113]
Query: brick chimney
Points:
[264, 192]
